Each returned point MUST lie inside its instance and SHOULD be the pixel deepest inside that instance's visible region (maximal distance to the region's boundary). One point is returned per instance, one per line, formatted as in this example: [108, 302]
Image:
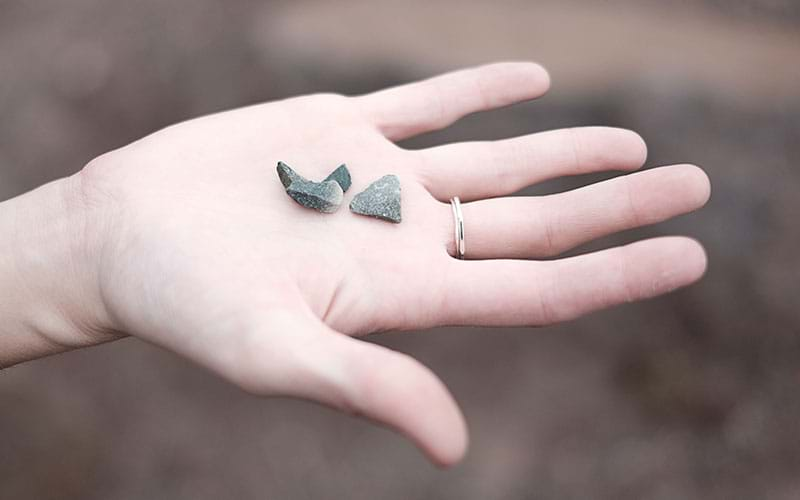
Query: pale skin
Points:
[186, 239]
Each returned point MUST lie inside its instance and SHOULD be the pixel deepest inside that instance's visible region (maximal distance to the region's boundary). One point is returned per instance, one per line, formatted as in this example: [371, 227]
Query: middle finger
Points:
[483, 169]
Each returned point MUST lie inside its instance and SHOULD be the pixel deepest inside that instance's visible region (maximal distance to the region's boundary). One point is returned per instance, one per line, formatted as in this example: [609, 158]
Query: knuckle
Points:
[546, 314]
[548, 300]
[627, 291]
[329, 98]
[575, 146]
[98, 179]
[434, 101]
[503, 160]
[550, 245]
[635, 213]
[94, 192]
[323, 100]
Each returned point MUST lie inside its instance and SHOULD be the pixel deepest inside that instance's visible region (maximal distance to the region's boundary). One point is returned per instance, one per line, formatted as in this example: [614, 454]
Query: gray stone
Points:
[342, 176]
[287, 175]
[325, 196]
[381, 199]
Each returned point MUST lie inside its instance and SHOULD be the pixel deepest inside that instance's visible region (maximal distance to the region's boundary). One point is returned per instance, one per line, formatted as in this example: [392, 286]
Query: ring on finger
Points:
[458, 232]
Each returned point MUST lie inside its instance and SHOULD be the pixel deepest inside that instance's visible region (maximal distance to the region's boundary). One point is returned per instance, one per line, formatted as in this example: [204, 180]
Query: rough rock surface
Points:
[381, 199]
[288, 175]
[325, 196]
[342, 176]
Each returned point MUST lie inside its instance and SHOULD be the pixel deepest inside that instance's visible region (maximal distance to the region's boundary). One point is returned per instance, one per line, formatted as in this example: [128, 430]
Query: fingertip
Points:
[612, 148]
[696, 258]
[396, 390]
[634, 146]
[515, 81]
[540, 77]
[685, 261]
[452, 451]
[698, 183]
[441, 431]
[640, 147]
[662, 265]
[546, 77]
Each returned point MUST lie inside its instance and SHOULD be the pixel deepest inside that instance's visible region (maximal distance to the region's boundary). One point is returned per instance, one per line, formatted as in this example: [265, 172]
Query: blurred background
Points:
[693, 395]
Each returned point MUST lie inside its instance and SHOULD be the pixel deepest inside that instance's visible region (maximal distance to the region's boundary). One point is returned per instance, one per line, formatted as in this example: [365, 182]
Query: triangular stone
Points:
[381, 199]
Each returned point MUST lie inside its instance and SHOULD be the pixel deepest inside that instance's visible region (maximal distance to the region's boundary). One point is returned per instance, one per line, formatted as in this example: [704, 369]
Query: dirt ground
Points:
[693, 395]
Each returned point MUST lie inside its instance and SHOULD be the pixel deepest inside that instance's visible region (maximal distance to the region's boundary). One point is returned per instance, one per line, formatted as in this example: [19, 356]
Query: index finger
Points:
[411, 109]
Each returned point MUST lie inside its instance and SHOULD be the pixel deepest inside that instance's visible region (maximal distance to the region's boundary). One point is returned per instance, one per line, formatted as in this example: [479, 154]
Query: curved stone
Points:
[325, 196]
[287, 175]
[342, 176]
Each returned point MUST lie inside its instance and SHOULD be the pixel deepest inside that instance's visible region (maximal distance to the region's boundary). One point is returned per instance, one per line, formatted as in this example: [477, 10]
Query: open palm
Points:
[204, 253]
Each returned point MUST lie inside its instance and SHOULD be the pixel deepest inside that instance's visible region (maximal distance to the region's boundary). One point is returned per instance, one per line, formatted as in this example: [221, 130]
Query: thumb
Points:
[361, 378]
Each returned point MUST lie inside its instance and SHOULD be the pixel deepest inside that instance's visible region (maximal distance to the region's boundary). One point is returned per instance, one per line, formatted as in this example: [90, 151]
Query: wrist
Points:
[50, 298]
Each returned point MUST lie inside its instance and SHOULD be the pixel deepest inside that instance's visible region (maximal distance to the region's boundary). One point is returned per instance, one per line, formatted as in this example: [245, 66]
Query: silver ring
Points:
[458, 218]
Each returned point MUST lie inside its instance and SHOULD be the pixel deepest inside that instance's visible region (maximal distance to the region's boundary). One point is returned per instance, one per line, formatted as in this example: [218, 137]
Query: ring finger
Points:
[531, 227]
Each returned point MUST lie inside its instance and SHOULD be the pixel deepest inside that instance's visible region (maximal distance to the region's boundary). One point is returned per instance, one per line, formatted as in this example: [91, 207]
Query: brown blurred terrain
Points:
[694, 395]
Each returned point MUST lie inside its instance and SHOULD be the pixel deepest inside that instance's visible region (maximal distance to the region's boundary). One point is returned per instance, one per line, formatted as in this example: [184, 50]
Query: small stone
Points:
[342, 176]
[287, 175]
[381, 199]
[325, 196]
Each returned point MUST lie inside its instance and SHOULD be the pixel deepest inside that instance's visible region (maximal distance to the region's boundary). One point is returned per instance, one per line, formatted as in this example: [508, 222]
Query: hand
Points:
[197, 248]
